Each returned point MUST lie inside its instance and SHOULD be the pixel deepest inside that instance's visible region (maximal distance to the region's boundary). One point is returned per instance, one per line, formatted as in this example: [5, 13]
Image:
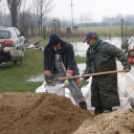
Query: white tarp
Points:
[125, 90]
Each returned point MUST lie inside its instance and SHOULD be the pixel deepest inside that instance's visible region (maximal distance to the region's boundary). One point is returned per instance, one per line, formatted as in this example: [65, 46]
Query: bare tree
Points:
[43, 7]
[25, 20]
[14, 7]
[128, 33]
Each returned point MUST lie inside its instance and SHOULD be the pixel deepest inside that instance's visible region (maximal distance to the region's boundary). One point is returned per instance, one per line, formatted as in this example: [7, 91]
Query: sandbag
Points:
[57, 89]
[123, 95]
[130, 85]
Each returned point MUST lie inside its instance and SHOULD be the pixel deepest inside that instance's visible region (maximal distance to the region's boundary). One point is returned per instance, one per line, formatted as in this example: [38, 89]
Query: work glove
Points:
[67, 82]
[49, 78]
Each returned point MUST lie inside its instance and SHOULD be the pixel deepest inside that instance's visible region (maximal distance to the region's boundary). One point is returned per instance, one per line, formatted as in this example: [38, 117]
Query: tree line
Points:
[25, 18]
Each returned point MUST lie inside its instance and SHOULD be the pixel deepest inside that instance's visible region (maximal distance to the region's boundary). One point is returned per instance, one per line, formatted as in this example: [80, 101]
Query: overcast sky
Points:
[98, 9]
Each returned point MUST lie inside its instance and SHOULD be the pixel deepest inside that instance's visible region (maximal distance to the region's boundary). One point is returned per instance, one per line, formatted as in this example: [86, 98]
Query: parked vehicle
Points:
[10, 37]
[130, 55]
[35, 44]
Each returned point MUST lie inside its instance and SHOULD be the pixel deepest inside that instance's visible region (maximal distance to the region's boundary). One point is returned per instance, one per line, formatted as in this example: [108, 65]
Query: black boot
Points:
[83, 105]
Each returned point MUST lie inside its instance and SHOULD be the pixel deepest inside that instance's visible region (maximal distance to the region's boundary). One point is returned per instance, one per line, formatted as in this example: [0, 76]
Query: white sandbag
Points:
[57, 89]
[130, 91]
[123, 95]
[130, 85]
[42, 88]
[87, 94]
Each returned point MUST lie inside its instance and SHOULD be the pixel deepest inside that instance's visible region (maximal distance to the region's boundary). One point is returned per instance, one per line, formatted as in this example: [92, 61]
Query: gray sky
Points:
[96, 8]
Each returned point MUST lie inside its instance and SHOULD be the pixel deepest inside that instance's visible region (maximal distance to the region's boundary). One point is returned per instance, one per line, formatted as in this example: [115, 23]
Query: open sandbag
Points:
[57, 89]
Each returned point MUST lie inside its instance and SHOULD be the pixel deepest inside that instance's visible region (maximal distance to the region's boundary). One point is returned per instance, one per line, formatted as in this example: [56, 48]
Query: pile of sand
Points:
[42, 113]
[117, 122]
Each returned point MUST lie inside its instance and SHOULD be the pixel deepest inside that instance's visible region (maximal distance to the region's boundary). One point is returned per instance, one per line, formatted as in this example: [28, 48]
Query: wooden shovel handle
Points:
[92, 74]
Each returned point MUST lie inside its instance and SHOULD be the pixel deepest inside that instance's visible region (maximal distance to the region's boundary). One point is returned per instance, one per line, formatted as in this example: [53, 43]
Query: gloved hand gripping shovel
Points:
[50, 78]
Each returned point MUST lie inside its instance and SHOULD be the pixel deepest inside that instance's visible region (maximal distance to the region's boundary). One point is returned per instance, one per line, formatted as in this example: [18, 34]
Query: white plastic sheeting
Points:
[125, 90]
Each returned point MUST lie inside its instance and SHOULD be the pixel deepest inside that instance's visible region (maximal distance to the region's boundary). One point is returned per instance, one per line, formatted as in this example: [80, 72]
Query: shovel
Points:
[51, 80]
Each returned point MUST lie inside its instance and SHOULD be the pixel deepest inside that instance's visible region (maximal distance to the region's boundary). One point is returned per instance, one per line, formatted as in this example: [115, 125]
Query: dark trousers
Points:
[3, 57]
[99, 110]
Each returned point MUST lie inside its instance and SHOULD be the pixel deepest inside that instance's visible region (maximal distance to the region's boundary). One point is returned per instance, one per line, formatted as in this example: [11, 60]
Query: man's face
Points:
[57, 46]
[91, 42]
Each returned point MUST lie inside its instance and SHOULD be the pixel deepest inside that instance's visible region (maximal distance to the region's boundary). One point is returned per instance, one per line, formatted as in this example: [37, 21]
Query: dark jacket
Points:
[104, 88]
[67, 56]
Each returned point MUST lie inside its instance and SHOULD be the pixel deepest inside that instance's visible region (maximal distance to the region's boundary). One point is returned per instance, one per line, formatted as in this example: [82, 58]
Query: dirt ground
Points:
[39, 113]
[117, 122]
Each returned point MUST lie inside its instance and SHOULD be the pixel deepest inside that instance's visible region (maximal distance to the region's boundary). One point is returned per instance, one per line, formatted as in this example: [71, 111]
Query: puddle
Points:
[81, 48]
[37, 78]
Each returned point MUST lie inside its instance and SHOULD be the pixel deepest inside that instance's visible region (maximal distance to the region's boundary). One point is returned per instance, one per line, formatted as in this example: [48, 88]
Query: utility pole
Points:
[72, 19]
[122, 30]
[72, 12]
[55, 26]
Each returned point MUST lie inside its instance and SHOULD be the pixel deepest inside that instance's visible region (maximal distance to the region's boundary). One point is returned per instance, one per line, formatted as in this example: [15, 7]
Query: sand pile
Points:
[117, 122]
[42, 113]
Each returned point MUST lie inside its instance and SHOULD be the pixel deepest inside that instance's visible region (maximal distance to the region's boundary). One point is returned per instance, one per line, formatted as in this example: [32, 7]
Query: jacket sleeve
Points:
[88, 67]
[114, 51]
[46, 62]
[70, 60]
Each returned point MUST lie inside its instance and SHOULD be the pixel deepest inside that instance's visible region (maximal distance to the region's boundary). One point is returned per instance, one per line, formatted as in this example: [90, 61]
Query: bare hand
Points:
[84, 76]
[127, 69]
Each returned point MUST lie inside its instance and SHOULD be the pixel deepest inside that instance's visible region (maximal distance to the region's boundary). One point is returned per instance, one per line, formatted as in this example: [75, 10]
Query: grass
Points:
[80, 59]
[13, 79]
[36, 39]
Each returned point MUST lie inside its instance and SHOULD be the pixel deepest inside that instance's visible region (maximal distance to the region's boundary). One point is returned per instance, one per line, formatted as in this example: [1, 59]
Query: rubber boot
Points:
[83, 105]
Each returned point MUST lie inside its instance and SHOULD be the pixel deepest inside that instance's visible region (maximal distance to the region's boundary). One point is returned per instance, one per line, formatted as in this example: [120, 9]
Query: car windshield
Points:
[4, 34]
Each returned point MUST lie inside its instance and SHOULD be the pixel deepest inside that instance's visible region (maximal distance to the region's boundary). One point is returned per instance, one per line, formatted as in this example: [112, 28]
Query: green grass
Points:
[80, 59]
[14, 79]
[36, 39]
